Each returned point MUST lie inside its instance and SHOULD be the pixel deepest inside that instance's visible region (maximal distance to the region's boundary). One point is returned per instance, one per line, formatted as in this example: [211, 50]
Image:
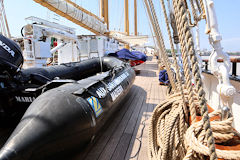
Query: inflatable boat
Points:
[66, 104]
[20, 87]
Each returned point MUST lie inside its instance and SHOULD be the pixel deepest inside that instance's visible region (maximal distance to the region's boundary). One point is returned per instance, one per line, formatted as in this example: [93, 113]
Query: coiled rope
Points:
[195, 139]
[167, 128]
[171, 146]
[169, 122]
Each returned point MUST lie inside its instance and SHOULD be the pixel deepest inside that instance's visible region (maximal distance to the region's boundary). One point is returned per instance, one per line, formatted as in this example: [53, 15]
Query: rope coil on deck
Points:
[167, 128]
[169, 122]
[195, 139]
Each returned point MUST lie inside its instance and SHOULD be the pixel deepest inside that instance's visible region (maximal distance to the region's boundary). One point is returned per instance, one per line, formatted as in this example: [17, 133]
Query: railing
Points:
[234, 62]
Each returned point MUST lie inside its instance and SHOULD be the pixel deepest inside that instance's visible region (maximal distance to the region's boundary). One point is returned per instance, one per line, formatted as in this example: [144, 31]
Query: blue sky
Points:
[228, 14]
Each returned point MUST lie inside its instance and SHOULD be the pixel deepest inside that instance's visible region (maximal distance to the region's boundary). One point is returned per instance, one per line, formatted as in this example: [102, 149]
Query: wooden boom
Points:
[76, 14]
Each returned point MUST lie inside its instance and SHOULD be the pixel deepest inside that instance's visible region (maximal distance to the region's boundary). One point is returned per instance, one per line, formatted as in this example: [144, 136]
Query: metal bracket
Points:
[220, 70]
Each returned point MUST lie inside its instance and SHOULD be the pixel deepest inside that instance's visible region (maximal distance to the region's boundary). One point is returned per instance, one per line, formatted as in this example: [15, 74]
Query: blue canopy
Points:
[126, 54]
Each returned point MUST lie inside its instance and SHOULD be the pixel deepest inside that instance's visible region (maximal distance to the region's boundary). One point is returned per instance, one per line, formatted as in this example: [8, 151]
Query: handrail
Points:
[221, 60]
[234, 62]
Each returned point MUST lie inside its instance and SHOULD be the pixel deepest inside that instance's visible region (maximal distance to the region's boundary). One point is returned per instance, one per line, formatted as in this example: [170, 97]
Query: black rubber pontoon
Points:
[65, 112]
[19, 88]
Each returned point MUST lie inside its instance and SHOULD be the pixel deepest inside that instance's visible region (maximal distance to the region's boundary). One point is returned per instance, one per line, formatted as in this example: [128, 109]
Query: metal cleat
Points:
[226, 113]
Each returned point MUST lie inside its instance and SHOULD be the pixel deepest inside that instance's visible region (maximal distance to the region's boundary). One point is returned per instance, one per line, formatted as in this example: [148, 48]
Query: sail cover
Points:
[76, 14]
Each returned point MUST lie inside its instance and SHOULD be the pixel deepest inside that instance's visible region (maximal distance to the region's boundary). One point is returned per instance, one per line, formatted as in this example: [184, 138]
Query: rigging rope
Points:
[202, 8]
[185, 35]
[179, 80]
[169, 122]
[160, 42]
[151, 28]
[186, 68]
[165, 136]
[194, 9]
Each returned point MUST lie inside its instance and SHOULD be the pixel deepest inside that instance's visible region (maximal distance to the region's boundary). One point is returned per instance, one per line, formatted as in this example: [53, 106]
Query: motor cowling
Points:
[11, 57]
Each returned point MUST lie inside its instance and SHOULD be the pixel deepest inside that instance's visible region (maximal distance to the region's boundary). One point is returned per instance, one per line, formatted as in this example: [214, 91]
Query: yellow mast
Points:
[106, 20]
[101, 5]
[135, 18]
[104, 11]
[126, 20]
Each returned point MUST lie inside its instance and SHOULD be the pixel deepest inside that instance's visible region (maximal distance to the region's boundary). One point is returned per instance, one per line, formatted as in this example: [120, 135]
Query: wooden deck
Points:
[125, 137]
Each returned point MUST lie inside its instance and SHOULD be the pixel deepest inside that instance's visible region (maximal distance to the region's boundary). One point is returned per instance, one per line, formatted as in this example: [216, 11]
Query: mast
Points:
[101, 8]
[135, 18]
[126, 20]
[106, 20]
[104, 11]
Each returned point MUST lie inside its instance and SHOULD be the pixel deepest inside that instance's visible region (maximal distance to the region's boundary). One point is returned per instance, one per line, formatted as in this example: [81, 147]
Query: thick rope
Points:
[182, 25]
[168, 124]
[186, 67]
[195, 17]
[179, 80]
[160, 42]
[222, 131]
[194, 9]
[202, 8]
[198, 6]
[167, 128]
[162, 47]
[172, 47]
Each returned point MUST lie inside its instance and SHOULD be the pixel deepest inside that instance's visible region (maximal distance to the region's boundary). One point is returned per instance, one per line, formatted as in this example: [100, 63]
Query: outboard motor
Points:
[11, 58]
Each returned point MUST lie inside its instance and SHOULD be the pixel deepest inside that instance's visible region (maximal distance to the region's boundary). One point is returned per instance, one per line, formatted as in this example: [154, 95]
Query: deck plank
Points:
[115, 138]
[135, 144]
[94, 151]
[125, 135]
[98, 148]
[131, 128]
